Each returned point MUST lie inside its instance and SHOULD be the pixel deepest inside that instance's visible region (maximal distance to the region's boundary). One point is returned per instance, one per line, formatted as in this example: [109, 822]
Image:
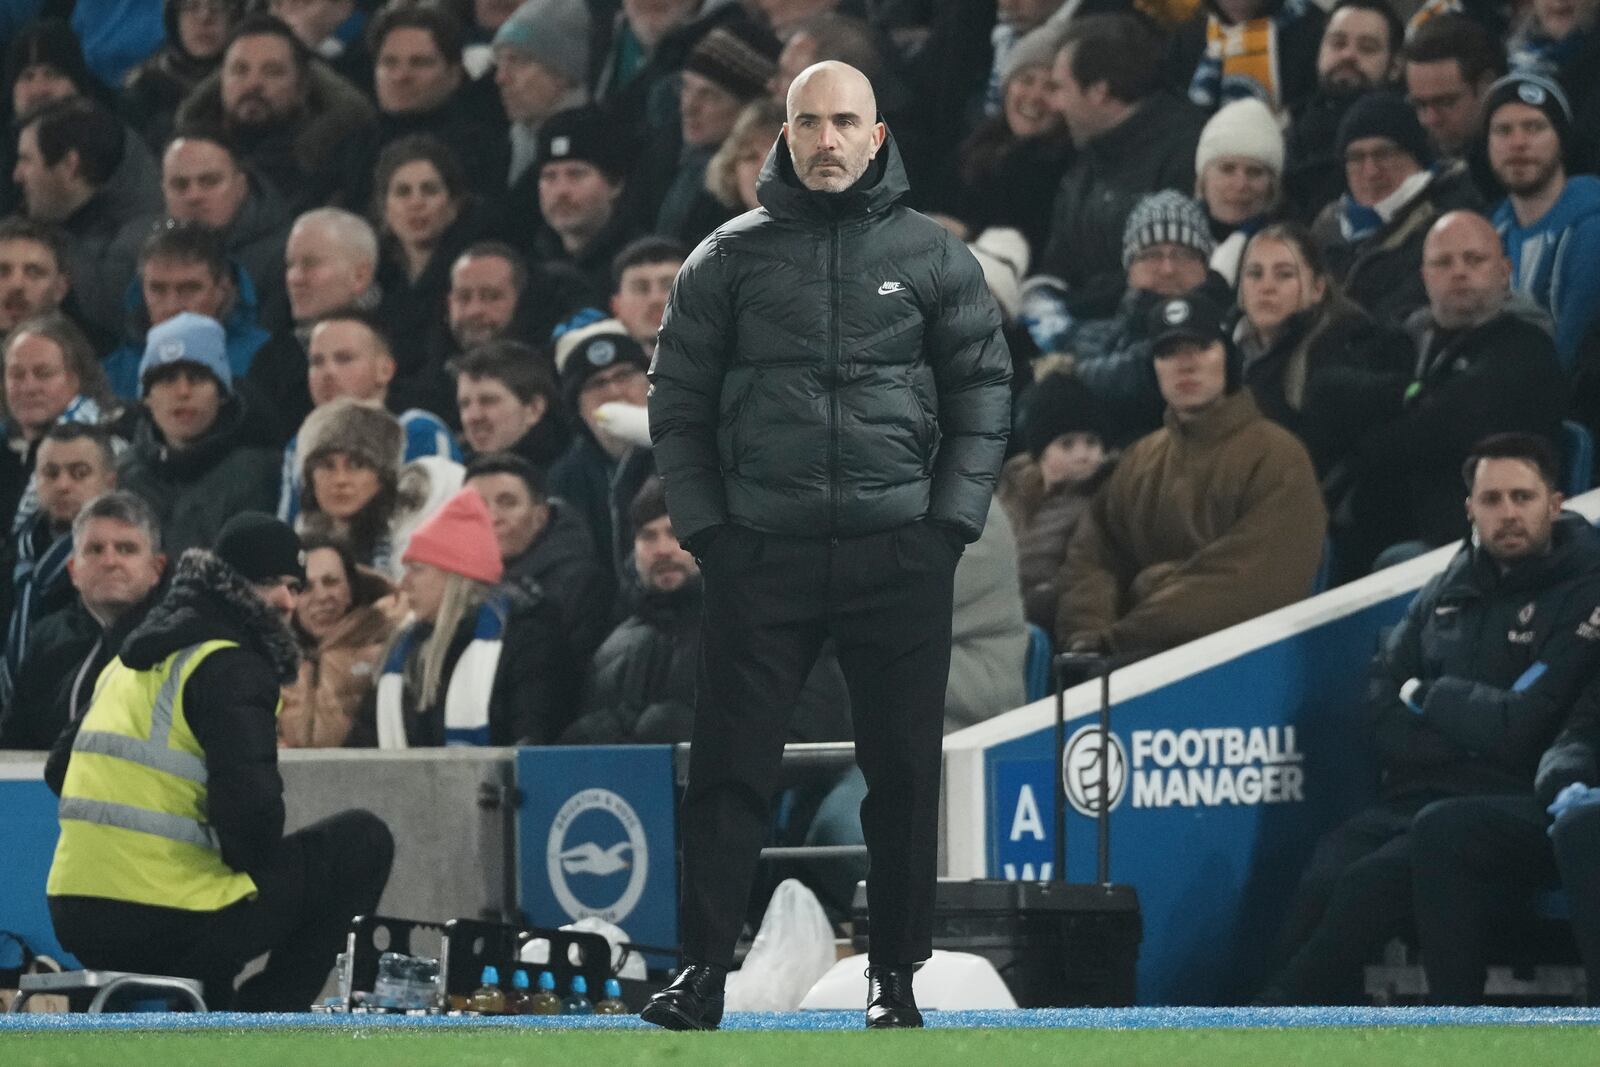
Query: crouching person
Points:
[172, 857]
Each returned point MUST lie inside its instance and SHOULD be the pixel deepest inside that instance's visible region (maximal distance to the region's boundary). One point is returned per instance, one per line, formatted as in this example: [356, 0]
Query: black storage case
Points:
[1056, 944]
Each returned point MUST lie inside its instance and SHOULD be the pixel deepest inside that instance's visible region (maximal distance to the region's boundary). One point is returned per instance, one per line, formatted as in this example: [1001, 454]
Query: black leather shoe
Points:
[692, 1002]
[890, 1003]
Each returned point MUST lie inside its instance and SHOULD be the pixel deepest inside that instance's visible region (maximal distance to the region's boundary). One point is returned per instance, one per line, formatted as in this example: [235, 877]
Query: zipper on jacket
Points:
[833, 393]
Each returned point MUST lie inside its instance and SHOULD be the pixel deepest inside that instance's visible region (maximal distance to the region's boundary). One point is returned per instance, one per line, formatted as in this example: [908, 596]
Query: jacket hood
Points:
[1574, 550]
[209, 600]
[780, 192]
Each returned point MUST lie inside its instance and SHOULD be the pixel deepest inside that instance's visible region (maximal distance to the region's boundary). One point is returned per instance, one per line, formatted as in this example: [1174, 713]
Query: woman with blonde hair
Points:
[1316, 362]
[476, 663]
[731, 174]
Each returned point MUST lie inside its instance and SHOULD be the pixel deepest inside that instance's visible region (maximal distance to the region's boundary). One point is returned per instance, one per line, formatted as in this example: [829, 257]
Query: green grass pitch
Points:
[1409, 1046]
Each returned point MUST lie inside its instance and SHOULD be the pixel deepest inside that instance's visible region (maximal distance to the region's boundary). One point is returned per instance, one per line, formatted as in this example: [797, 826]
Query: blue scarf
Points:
[35, 577]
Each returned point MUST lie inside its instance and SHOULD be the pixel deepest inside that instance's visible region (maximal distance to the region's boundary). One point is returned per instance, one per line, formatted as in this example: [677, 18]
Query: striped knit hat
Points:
[739, 57]
[1167, 217]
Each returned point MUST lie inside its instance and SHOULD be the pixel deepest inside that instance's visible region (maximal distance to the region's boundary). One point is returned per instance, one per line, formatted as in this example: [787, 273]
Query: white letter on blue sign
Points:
[1026, 819]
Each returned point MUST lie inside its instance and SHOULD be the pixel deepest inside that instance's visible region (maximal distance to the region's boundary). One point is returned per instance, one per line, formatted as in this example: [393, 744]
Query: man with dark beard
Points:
[1463, 698]
[1549, 222]
[290, 117]
[1360, 52]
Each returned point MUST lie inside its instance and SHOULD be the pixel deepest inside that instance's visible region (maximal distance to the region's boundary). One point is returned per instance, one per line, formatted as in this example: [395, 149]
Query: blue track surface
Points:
[1047, 1018]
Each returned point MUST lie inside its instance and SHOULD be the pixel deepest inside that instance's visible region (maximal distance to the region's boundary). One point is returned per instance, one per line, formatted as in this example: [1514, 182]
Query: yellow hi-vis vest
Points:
[133, 806]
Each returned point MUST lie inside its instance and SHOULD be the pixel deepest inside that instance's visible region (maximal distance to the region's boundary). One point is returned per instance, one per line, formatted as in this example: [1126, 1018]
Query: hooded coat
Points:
[230, 701]
[232, 468]
[1320, 378]
[830, 365]
[155, 88]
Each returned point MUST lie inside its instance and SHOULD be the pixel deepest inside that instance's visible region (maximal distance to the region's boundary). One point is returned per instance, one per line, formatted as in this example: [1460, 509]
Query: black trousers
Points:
[1354, 896]
[320, 878]
[1477, 861]
[770, 602]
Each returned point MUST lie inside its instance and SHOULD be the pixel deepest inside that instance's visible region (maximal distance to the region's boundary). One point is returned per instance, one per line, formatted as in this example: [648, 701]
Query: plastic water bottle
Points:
[545, 1001]
[519, 999]
[488, 999]
[612, 1004]
[394, 979]
[577, 1001]
[424, 987]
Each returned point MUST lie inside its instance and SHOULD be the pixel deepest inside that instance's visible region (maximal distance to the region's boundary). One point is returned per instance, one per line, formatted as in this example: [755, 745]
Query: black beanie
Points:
[1536, 91]
[584, 135]
[1055, 406]
[1385, 115]
[260, 547]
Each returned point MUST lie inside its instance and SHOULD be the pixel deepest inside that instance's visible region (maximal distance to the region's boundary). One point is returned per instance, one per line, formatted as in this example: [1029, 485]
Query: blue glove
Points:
[1576, 795]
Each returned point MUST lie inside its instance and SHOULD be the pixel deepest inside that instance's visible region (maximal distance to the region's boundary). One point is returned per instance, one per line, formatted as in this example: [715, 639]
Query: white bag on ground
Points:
[950, 981]
[793, 948]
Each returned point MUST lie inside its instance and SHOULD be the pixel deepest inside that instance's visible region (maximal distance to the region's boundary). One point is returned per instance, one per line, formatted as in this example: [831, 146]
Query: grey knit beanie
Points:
[553, 33]
[1167, 217]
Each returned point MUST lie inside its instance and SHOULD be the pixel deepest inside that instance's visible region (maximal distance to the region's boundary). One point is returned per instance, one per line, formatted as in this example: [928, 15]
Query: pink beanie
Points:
[459, 538]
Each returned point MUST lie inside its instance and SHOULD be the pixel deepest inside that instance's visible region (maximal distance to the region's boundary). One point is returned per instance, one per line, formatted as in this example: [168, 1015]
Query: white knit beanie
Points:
[1243, 128]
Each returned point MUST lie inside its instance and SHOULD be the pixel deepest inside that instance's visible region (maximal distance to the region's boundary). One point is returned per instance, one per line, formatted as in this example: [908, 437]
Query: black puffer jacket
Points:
[641, 688]
[1473, 637]
[230, 701]
[830, 365]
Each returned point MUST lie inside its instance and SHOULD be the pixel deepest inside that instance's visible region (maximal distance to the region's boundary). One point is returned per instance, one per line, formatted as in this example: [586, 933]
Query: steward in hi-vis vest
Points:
[172, 857]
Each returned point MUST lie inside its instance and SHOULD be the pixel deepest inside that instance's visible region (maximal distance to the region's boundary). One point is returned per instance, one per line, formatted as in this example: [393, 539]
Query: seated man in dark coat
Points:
[1467, 692]
[116, 568]
[1486, 363]
[641, 687]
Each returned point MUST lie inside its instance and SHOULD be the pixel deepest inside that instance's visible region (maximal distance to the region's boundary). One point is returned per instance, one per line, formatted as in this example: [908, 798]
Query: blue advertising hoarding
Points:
[597, 835]
[30, 829]
[1220, 783]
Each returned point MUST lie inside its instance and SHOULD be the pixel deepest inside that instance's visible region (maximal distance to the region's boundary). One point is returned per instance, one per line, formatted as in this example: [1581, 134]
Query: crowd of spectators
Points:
[1268, 270]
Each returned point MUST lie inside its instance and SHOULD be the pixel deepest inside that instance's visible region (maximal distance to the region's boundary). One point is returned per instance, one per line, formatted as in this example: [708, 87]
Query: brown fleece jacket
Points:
[1203, 524]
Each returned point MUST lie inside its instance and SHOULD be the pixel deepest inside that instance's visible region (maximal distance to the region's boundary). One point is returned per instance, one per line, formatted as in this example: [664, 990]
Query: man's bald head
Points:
[832, 128]
[1465, 270]
[839, 78]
